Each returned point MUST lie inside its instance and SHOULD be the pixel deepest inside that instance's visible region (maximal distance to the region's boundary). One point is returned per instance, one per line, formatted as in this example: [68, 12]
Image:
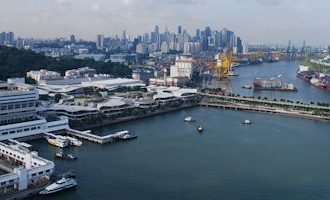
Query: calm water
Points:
[306, 92]
[275, 158]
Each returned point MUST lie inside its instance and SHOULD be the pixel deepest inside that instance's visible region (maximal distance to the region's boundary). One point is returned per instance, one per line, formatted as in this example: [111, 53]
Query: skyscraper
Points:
[9, 38]
[205, 41]
[2, 37]
[73, 38]
[180, 29]
[198, 34]
[100, 41]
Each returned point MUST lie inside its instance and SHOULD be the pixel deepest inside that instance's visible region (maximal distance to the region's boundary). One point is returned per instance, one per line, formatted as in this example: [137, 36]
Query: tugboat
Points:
[62, 184]
[246, 122]
[200, 128]
[189, 119]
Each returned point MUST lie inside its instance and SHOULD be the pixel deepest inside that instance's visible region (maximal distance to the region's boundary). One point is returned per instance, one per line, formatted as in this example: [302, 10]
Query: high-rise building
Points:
[179, 29]
[145, 38]
[157, 29]
[141, 48]
[100, 41]
[73, 38]
[226, 37]
[207, 34]
[10, 37]
[7, 38]
[2, 38]
[198, 34]
[239, 45]
[183, 67]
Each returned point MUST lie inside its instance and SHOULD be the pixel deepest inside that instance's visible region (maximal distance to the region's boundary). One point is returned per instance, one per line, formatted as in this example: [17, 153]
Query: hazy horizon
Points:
[256, 21]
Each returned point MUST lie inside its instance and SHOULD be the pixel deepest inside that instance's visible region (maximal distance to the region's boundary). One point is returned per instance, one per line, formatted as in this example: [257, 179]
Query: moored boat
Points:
[273, 85]
[59, 142]
[62, 184]
[64, 156]
[127, 136]
[74, 141]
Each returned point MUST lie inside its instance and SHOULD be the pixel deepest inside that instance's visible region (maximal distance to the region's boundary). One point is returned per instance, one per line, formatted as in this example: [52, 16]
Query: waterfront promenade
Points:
[273, 107]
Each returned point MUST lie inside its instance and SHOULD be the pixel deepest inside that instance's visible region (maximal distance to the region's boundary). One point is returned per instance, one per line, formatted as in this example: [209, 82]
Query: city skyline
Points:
[257, 21]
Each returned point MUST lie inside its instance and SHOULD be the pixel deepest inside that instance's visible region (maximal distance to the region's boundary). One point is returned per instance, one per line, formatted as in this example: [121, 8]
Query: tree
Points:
[57, 97]
[16, 62]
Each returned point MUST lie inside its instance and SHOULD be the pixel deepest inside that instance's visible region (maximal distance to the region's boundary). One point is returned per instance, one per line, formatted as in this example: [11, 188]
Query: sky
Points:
[256, 21]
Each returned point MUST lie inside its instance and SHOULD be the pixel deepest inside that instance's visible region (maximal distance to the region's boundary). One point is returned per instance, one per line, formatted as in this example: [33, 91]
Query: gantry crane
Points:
[222, 65]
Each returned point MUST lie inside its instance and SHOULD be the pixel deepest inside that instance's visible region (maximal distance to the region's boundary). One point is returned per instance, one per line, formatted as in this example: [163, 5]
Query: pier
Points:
[87, 135]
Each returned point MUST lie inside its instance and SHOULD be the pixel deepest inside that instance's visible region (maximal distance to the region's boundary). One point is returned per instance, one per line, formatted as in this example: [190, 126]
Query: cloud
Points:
[64, 4]
[182, 2]
[270, 3]
[95, 7]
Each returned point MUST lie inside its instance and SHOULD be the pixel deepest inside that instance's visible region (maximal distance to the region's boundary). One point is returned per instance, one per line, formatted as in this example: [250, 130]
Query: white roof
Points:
[174, 91]
[111, 103]
[110, 84]
[70, 108]
[113, 83]
[163, 95]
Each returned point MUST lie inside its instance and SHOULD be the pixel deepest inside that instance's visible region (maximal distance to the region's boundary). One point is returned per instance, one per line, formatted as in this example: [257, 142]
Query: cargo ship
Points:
[316, 79]
[273, 85]
[320, 82]
[305, 73]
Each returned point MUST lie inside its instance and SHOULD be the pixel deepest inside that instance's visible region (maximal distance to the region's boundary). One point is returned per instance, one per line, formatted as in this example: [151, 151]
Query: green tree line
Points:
[16, 62]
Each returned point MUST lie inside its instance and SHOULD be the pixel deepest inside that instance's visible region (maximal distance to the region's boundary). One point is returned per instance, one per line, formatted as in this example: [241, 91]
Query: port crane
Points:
[222, 65]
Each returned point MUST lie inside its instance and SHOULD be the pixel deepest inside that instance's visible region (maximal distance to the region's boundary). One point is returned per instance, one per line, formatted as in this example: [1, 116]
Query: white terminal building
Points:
[18, 113]
[29, 168]
[75, 87]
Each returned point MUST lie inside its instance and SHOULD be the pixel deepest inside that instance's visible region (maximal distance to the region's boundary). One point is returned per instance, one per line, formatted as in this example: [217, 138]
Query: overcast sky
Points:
[256, 21]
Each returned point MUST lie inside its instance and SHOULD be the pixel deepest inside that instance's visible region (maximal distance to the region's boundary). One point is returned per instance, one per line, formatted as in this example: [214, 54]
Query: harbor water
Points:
[287, 71]
[276, 157]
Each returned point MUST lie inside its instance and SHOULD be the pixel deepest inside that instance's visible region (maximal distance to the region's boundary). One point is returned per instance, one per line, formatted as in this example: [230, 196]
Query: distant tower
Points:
[179, 29]
[99, 41]
[157, 29]
[73, 38]
[165, 77]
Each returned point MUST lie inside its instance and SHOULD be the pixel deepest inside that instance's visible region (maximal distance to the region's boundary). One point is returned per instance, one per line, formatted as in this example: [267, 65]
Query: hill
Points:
[16, 62]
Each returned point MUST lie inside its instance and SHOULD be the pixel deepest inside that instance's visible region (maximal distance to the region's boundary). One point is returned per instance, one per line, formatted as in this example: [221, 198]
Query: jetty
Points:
[87, 135]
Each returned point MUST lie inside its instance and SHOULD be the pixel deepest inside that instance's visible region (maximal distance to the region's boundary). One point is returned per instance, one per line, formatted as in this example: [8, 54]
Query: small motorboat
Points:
[200, 128]
[247, 121]
[62, 184]
[64, 156]
[189, 119]
[247, 87]
[129, 136]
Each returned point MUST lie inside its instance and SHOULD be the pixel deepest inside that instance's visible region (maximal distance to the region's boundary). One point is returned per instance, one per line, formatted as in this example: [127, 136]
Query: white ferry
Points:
[59, 142]
[62, 184]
